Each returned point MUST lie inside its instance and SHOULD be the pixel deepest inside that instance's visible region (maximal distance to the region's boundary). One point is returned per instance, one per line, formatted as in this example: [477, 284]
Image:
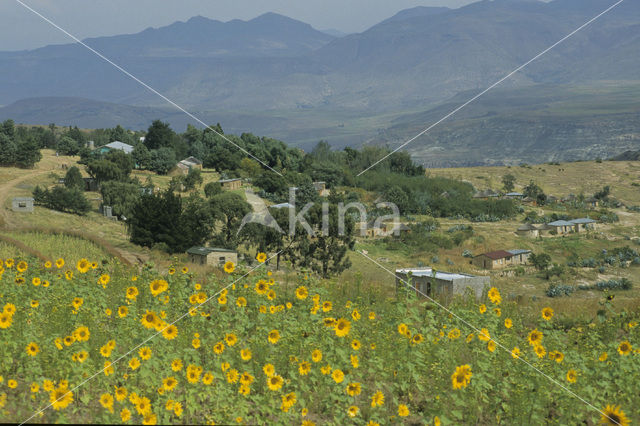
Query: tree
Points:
[534, 191]
[159, 135]
[212, 188]
[141, 156]
[28, 153]
[162, 160]
[325, 253]
[540, 261]
[121, 196]
[508, 182]
[62, 199]
[121, 159]
[8, 150]
[193, 179]
[67, 146]
[157, 219]
[104, 170]
[230, 208]
[73, 179]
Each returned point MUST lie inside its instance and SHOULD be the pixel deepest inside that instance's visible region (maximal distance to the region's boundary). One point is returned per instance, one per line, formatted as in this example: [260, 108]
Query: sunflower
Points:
[158, 286]
[77, 302]
[145, 353]
[229, 267]
[377, 399]
[342, 327]
[60, 398]
[120, 393]
[559, 357]
[304, 368]
[68, 275]
[82, 334]
[193, 373]
[6, 317]
[515, 352]
[33, 349]
[482, 308]
[9, 262]
[241, 302]
[274, 382]
[123, 311]
[494, 296]
[491, 346]
[134, 363]
[547, 313]
[231, 339]
[22, 266]
[207, 379]
[288, 401]
[59, 263]
[540, 351]
[316, 355]
[143, 406]
[461, 377]
[355, 361]
[535, 337]
[484, 335]
[353, 411]
[454, 333]
[104, 279]
[572, 376]
[176, 365]
[105, 351]
[185, 269]
[508, 323]
[403, 329]
[613, 415]
[274, 336]
[353, 389]
[125, 415]
[327, 306]
[262, 287]
[172, 271]
[245, 354]
[338, 376]
[261, 257]
[106, 400]
[403, 410]
[149, 319]
[68, 340]
[624, 348]
[170, 332]
[246, 378]
[232, 375]
[603, 357]
[132, 293]
[83, 265]
[36, 281]
[356, 345]
[218, 348]
[12, 384]
[269, 370]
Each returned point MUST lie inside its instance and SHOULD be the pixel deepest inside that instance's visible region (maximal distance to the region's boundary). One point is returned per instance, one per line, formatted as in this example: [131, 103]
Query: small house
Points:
[22, 204]
[501, 259]
[116, 146]
[370, 229]
[90, 184]
[211, 256]
[528, 230]
[583, 223]
[189, 163]
[514, 195]
[561, 227]
[486, 194]
[230, 184]
[394, 228]
[321, 187]
[436, 284]
[592, 202]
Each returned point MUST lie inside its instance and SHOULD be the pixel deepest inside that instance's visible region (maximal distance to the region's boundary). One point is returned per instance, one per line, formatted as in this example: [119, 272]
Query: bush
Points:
[559, 290]
[621, 284]
[63, 199]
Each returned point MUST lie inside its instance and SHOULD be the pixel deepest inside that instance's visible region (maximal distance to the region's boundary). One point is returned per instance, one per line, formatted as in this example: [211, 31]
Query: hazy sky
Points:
[21, 29]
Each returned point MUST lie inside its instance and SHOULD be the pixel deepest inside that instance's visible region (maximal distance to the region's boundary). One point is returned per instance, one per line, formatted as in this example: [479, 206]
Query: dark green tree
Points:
[162, 160]
[121, 196]
[159, 135]
[141, 156]
[229, 208]
[192, 179]
[73, 179]
[508, 182]
[67, 146]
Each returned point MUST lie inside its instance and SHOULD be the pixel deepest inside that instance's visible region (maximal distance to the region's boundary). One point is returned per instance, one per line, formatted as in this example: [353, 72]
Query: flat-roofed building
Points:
[438, 284]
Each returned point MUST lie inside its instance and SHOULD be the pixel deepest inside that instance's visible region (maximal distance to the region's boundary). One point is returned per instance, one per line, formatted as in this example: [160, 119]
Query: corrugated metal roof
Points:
[428, 272]
[498, 254]
[281, 206]
[203, 251]
[560, 223]
[120, 146]
[518, 251]
[228, 180]
[23, 199]
[582, 220]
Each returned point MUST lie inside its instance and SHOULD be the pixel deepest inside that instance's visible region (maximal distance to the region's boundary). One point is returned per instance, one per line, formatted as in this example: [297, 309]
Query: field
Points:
[159, 347]
[198, 345]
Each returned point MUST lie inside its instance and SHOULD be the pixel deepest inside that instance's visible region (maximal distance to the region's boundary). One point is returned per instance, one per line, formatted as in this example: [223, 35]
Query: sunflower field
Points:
[104, 343]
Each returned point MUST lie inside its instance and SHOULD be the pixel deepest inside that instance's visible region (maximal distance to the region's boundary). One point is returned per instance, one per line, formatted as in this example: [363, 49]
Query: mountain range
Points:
[278, 76]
